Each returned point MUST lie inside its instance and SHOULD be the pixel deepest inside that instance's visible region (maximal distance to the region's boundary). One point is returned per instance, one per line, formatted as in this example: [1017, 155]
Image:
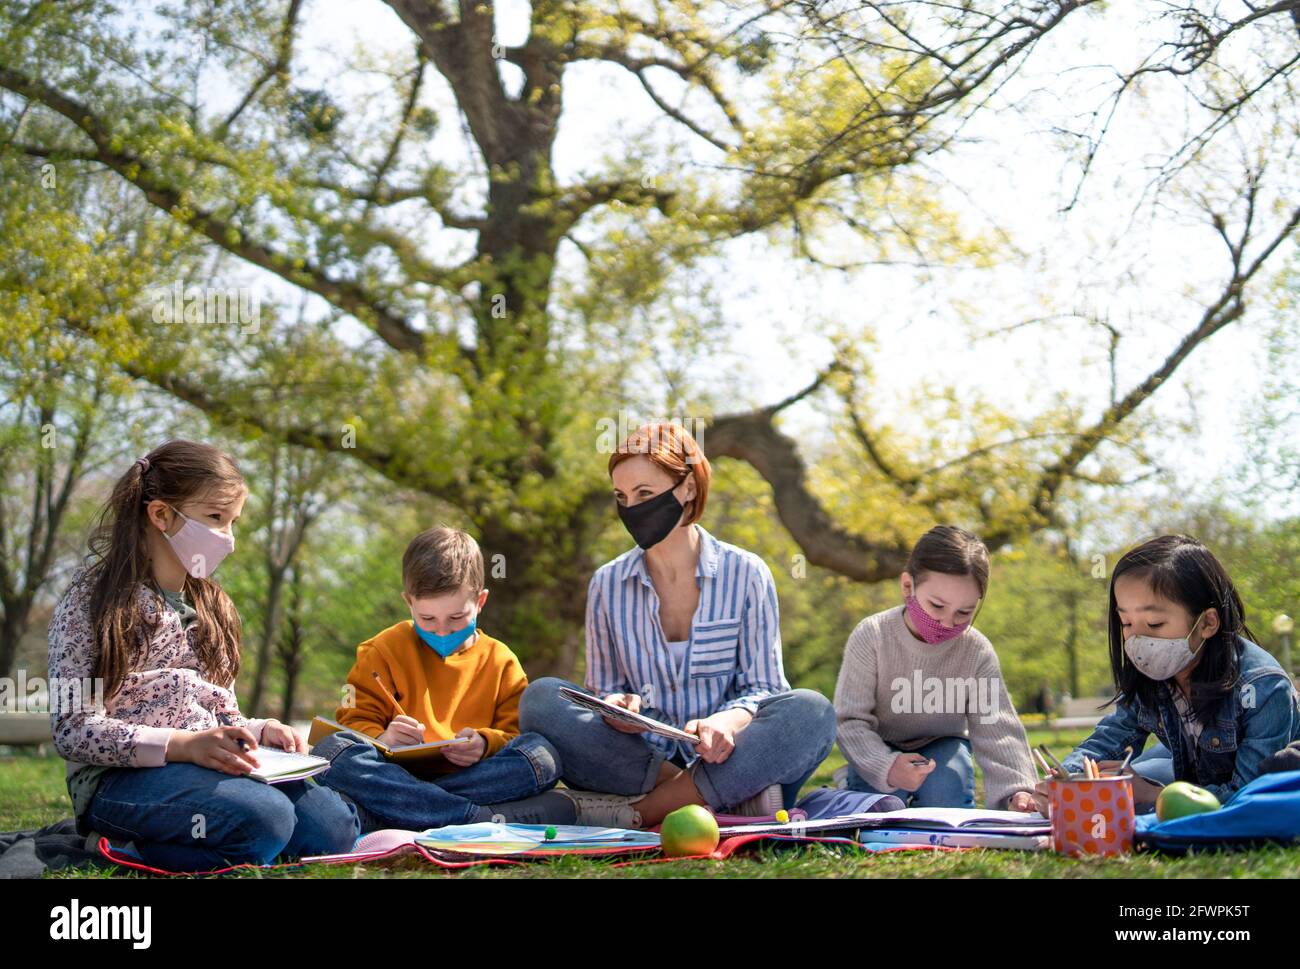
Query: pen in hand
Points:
[224, 720]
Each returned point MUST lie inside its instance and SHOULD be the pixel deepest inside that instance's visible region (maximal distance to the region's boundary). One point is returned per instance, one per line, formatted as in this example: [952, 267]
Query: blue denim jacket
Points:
[1259, 717]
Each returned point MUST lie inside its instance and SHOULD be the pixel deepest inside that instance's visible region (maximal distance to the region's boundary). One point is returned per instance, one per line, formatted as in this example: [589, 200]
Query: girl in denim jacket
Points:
[1187, 669]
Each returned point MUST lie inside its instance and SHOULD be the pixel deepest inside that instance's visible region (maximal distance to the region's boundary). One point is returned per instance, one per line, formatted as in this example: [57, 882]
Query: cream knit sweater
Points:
[897, 693]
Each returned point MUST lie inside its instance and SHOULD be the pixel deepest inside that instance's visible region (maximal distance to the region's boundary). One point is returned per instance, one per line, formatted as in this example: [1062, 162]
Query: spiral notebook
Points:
[281, 766]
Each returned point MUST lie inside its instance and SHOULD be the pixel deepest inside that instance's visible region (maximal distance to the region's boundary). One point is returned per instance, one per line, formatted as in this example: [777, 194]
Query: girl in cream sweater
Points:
[920, 694]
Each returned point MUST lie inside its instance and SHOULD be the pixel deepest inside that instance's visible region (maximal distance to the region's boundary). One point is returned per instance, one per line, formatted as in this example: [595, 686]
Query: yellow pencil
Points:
[400, 711]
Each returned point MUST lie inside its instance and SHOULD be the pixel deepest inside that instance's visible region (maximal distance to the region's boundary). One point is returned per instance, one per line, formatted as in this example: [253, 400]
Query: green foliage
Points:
[473, 365]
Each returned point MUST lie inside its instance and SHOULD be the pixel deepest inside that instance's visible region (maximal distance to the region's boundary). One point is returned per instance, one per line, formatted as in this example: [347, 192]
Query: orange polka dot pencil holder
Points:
[1091, 817]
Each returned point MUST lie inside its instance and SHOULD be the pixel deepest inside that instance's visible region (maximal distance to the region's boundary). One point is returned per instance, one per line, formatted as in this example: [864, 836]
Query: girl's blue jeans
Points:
[950, 784]
[1155, 763]
[183, 817]
[790, 735]
[390, 796]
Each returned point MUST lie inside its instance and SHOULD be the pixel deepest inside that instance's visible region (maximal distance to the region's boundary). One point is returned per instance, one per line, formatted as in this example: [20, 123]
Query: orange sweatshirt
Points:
[477, 686]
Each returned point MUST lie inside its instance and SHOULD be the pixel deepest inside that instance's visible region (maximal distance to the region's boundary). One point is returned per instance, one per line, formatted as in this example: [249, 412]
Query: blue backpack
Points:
[1267, 810]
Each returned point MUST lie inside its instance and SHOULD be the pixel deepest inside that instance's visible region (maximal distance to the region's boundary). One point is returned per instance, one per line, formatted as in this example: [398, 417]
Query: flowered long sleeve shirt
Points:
[165, 689]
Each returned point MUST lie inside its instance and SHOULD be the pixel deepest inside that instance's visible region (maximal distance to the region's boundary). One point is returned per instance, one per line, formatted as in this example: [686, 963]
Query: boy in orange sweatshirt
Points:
[449, 679]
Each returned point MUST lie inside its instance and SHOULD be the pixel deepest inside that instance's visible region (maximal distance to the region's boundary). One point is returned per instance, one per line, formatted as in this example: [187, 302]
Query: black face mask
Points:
[650, 521]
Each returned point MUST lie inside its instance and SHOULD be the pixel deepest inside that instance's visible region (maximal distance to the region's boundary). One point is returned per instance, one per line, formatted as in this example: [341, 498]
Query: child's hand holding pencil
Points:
[402, 731]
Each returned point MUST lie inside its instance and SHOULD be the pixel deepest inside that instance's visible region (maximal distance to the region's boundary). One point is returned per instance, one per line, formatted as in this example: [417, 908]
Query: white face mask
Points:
[1162, 658]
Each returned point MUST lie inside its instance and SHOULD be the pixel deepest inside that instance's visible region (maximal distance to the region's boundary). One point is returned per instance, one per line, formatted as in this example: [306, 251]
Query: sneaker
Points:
[604, 810]
[764, 804]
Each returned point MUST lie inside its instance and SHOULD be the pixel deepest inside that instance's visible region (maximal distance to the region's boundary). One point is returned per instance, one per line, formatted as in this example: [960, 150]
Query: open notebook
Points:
[280, 766]
[965, 819]
[944, 820]
[405, 753]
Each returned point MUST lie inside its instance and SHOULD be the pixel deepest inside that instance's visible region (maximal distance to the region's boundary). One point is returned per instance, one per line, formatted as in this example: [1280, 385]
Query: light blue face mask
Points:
[444, 646]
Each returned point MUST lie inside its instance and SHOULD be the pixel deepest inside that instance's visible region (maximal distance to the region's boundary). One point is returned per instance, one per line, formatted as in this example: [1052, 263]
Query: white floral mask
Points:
[1162, 658]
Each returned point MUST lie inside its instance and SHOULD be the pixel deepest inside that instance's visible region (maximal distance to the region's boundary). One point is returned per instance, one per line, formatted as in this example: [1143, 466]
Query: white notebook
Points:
[280, 766]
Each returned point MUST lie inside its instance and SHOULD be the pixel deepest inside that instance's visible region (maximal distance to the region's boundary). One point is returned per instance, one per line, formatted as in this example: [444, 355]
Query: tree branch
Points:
[278, 68]
[347, 295]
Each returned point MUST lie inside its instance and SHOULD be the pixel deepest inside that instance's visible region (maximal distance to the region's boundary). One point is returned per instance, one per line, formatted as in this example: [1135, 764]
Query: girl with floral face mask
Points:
[920, 694]
[1186, 669]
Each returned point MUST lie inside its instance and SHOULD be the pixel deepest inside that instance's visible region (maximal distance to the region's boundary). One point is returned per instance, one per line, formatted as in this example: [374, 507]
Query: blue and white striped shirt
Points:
[733, 656]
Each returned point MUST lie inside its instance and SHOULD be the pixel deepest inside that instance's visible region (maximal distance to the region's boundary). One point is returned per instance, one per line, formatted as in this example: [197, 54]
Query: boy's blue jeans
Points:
[950, 784]
[785, 742]
[390, 796]
[183, 817]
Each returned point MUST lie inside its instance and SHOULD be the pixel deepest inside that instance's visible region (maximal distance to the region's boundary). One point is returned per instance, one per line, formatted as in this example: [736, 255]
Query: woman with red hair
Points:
[683, 629]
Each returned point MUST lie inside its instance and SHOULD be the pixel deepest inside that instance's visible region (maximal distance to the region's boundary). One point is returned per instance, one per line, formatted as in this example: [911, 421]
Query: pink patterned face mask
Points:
[931, 629]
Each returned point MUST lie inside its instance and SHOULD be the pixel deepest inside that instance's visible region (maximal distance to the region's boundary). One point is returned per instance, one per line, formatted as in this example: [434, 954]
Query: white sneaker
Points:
[603, 810]
[764, 804]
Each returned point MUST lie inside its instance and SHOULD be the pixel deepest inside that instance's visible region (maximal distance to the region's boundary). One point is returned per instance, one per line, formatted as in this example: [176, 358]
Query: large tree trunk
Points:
[291, 650]
[1072, 639]
[12, 629]
[538, 607]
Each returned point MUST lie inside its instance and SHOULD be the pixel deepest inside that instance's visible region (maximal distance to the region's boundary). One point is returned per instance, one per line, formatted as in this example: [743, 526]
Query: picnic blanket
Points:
[31, 853]
[461, 846]
[490, 843]
[1264, 811]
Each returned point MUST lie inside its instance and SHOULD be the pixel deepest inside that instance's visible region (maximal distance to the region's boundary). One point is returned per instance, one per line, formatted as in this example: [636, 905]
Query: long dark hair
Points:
[176, 472]
[1182, 570]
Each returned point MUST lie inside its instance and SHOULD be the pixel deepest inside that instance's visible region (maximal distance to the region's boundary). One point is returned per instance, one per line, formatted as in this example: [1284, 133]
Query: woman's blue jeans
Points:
[785, 742]
[390, 796]
[183, 817]
[950, 784]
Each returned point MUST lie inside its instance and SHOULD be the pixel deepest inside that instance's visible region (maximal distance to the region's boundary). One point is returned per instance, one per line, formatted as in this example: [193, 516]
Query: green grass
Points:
[32, 794]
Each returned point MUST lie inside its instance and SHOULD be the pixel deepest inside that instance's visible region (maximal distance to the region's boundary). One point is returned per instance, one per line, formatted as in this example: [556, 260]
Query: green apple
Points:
[1179, 799]
[689, 830]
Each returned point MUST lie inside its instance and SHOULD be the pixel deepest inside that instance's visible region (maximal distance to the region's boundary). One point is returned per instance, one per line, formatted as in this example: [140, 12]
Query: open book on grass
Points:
[966, 819]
